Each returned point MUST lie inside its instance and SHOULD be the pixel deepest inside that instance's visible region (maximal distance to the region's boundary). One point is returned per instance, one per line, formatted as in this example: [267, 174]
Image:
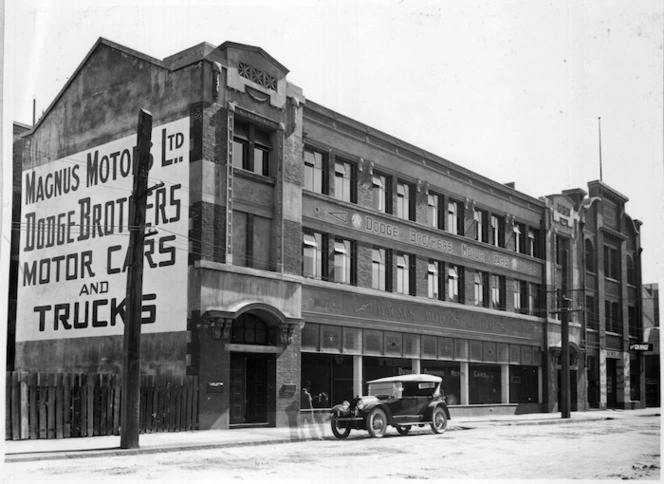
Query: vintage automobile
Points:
[399, 401]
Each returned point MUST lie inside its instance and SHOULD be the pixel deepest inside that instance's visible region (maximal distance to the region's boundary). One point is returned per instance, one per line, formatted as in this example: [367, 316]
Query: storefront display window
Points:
[523, 384]
[377, 367]
[450, 372]
[484, 383]
[331, 378]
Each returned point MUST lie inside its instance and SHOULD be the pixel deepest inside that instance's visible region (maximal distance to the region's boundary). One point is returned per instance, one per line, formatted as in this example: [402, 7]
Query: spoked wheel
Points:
[377, 423]
[403, 430]
[439, 421]
[338, 431]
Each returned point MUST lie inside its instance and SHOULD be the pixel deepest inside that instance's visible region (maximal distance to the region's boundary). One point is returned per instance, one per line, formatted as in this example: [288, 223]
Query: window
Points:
[497, 231]
[519, 238]
[498, 292]
[480, 288]
[379, 274]
[455, 217]
[533, 242]
[520, 297]
[251, 240]
[251, 149]
[612, 317]
[434, 273]
[631, 274]
[250, 329]
[405, 206]
[589, 253]
[343, 261]
[481, 227]
[312, 255]
[535, 299]
[455, 283]
[405, 273]
[592, 321]
[315, 171]
[435, 211]
[611, 265]
[382, 194]
[345, 185]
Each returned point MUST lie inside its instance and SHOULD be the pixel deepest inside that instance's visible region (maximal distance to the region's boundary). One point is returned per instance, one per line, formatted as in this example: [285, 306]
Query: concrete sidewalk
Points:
[49, 449]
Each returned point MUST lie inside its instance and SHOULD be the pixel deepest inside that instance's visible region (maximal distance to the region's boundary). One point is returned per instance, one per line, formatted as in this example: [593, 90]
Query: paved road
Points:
[623, 448]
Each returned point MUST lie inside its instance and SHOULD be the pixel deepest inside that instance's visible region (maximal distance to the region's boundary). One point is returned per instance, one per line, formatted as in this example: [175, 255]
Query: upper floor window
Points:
[343, 261]
[612, 316]
[251, 248]
[251, 149]
[497, 231]
[631, 273]
[435, 210]
[635, 329]
[611, 264]
[345, 185]
[533, 242]
[405, 203]
[379, 273]
[498, 292]
[481, 226]
[455, 217]
[519, 238]
[405, 271]
[592, 318]
[434, 279]
[520, 297]
[480, 288]
[315, 164]
[382, 194]
[535, 299]
[454, 283]
[312, 255]
[562, 245]
[589, 253]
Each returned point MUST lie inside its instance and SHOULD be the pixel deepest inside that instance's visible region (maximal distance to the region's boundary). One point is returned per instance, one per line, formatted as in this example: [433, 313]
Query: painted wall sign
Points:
[74, 238]
[438, 241]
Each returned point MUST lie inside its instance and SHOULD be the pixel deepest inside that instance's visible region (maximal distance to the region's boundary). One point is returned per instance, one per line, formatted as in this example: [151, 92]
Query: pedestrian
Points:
[307, 408]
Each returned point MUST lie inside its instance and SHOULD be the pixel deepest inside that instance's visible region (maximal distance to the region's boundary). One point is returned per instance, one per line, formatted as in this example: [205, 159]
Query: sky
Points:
[511, 90]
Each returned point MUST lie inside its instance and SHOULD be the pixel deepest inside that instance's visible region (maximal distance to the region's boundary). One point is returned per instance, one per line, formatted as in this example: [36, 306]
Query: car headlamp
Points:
[361, 404]
[345, 406]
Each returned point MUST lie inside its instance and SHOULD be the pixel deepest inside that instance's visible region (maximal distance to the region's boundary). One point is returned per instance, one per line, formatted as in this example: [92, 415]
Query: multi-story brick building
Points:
[603, 288]
[293, 243]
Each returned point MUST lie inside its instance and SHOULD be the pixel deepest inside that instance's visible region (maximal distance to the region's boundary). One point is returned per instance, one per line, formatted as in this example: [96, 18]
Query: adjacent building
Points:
[294, 243]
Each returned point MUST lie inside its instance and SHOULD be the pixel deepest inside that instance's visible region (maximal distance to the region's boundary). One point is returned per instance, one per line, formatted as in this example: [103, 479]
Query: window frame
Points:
[348, 180]
[318, 184]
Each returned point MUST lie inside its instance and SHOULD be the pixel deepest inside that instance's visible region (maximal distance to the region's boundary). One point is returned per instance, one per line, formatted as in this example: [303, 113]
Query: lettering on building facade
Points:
[75, 236]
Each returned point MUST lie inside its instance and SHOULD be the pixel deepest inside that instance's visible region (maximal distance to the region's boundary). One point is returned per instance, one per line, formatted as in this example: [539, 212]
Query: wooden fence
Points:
[62, 405]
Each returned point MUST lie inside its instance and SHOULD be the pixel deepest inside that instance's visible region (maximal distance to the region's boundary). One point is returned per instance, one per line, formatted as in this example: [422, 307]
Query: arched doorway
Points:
[253, 342]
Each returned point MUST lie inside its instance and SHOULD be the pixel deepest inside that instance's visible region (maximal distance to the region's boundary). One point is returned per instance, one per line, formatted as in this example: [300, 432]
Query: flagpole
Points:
[599, 125]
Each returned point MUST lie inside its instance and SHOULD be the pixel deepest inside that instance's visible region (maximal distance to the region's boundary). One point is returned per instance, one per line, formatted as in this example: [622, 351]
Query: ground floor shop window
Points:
[450, 372]
[378, 367]
[331, 378]
[484, 383]
[523, 384]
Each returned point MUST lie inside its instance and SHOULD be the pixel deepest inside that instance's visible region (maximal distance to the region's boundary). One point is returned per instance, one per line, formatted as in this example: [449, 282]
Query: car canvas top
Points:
[409, 378]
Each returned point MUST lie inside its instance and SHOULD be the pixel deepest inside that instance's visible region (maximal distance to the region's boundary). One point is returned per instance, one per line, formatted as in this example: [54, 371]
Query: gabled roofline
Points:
[254, 48]
[100, 41]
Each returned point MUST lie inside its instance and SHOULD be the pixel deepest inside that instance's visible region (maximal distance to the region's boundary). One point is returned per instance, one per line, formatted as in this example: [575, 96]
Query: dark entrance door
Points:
[611, 377]
[249, 384]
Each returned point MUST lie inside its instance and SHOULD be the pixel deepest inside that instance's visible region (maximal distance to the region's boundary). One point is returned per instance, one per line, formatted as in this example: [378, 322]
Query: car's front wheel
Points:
[439, 421]
[338, 431]
[377, 423]
[403, 430]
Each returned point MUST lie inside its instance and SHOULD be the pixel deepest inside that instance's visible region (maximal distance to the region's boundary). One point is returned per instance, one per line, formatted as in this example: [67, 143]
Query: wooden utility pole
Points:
[564, 342]
[134, 298]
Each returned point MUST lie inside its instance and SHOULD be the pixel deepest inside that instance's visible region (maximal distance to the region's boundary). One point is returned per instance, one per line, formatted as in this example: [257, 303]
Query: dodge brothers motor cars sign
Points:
[74, 238]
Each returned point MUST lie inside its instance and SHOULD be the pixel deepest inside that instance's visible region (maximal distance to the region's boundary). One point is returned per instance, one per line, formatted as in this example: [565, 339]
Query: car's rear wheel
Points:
[338, 431]
[438, 421]
[403, 430]
[377, 423]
